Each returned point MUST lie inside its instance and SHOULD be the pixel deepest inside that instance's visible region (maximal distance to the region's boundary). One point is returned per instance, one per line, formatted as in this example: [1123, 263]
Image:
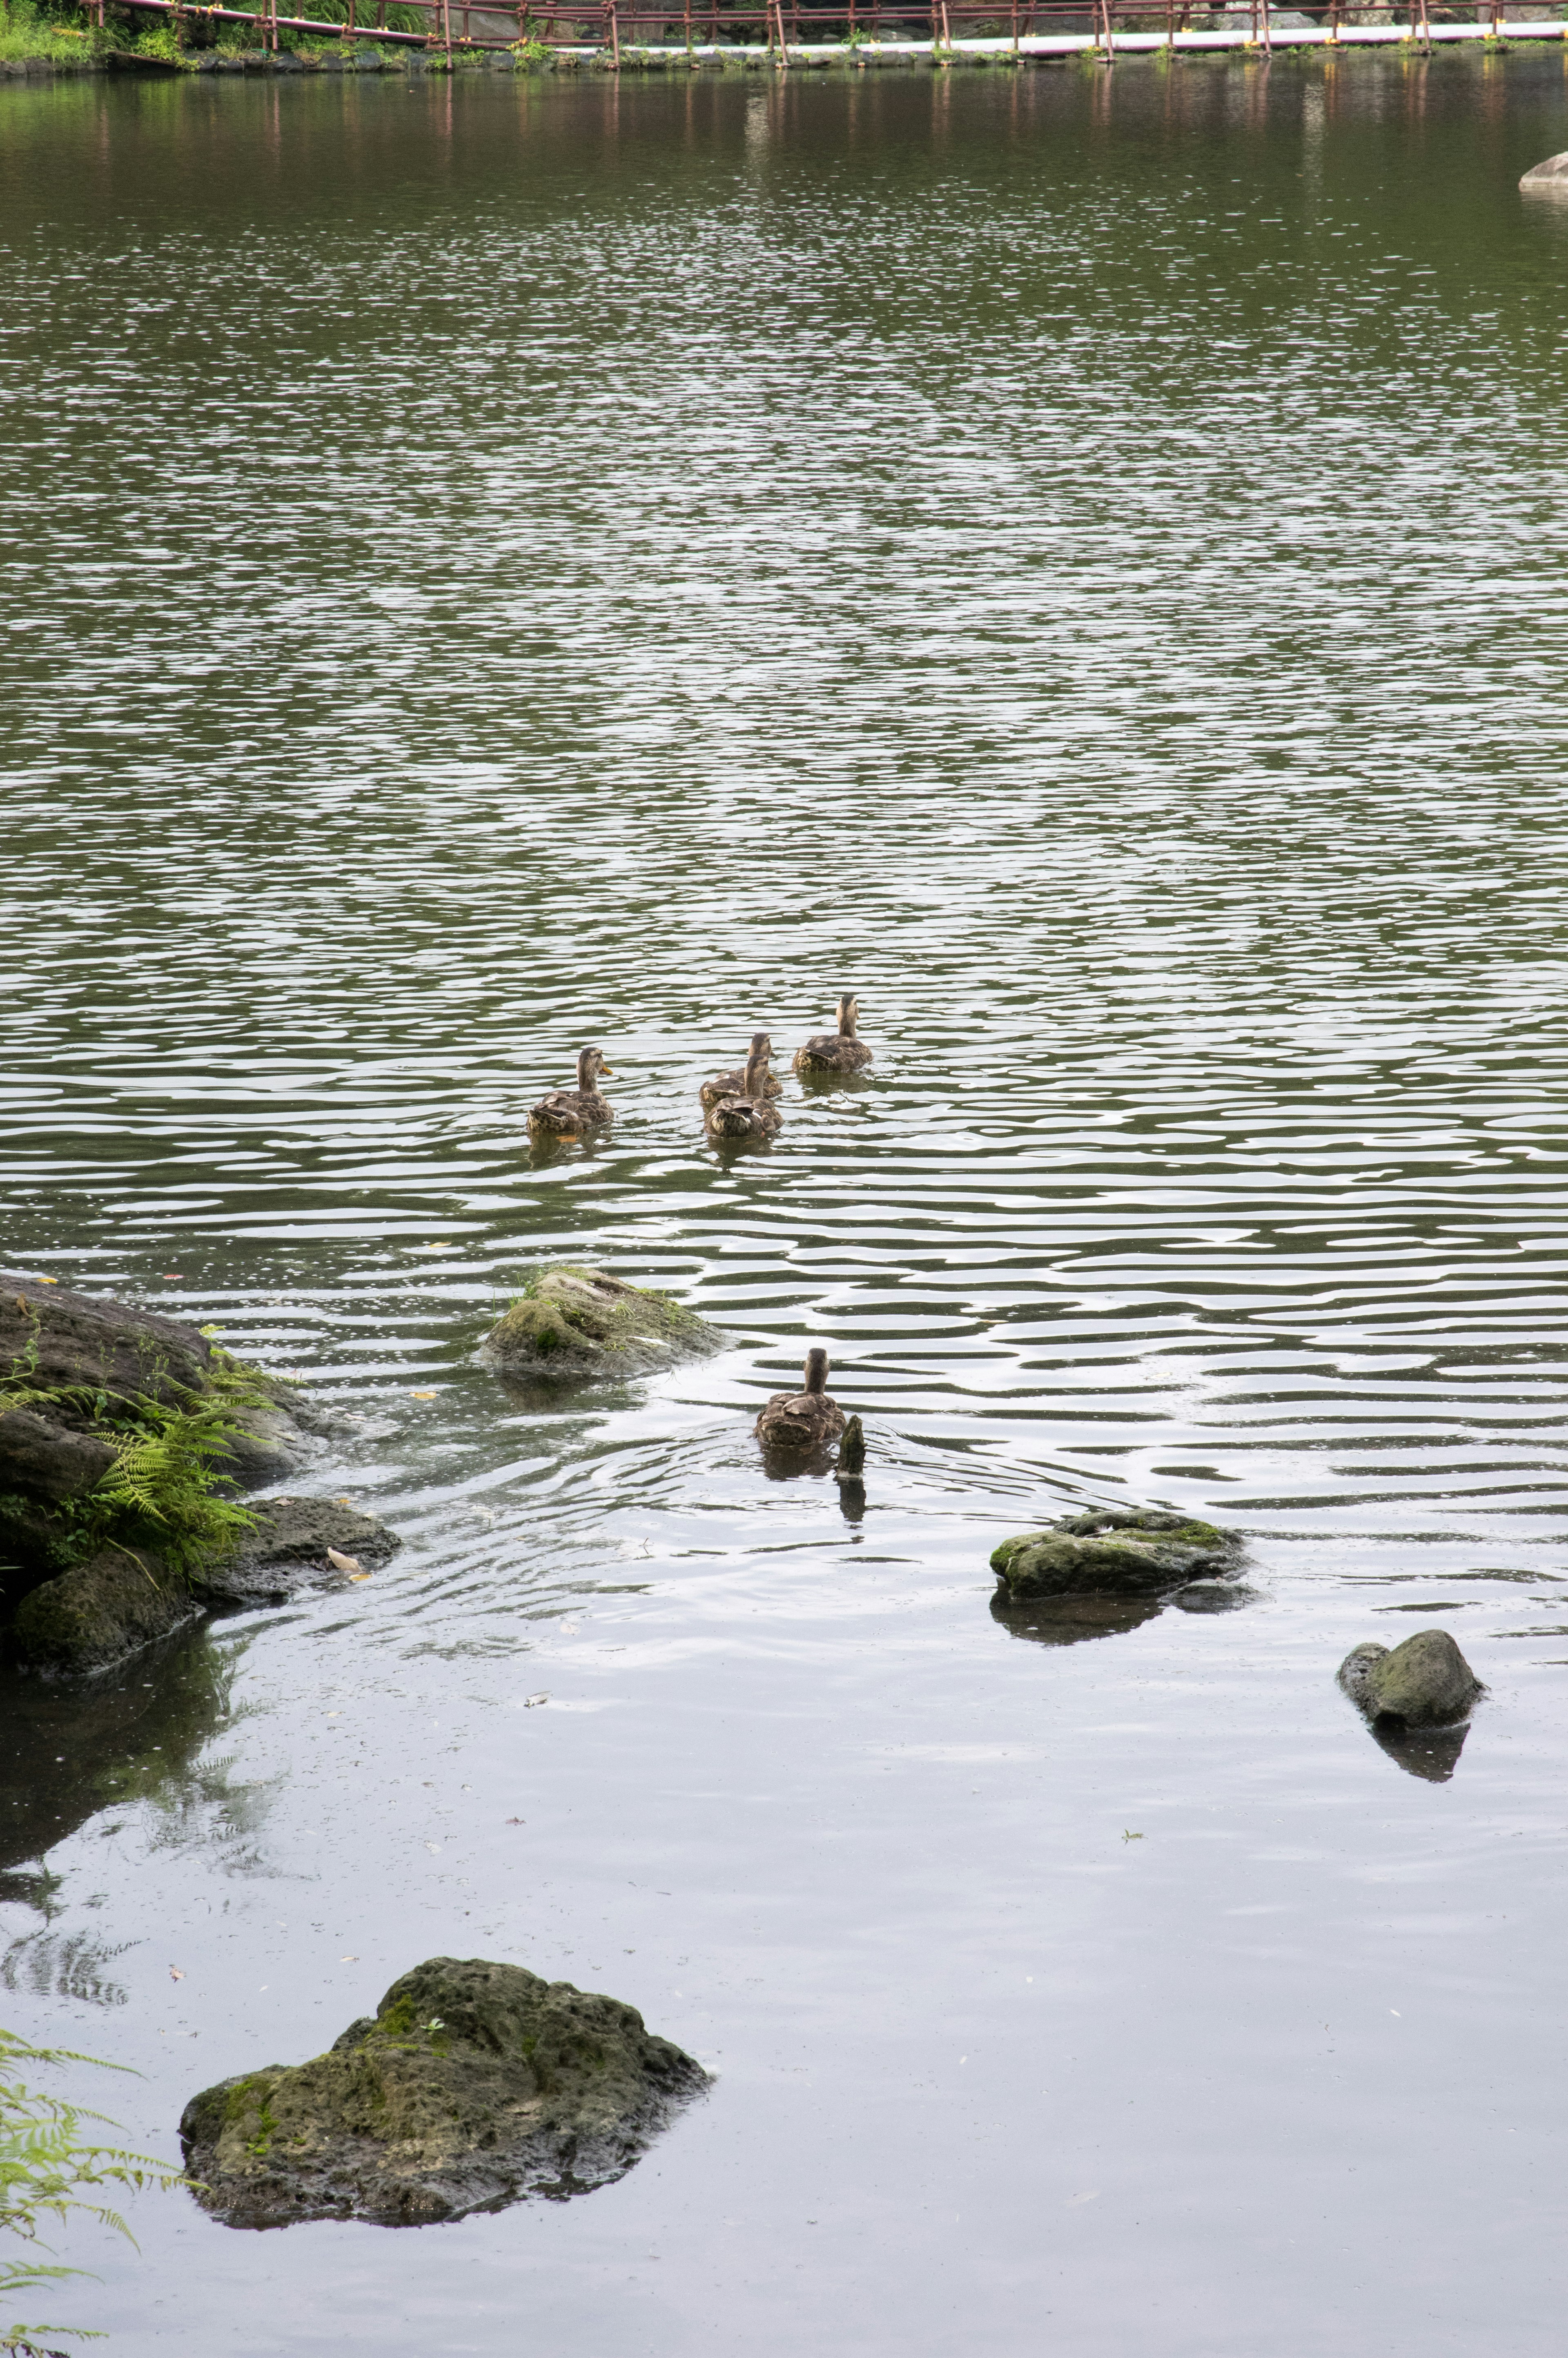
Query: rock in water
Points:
[87, 1574]
[70, 1346]
[475, 2084]
[1425, 1682]
[571, 1324]
[288, 1550]
[1548, 179]
[1112, 1552]
[120, 1598]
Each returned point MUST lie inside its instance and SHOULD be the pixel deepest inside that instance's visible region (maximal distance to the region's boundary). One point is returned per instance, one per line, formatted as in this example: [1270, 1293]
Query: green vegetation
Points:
[46, 2168]
[60, 36]
[164, 1488]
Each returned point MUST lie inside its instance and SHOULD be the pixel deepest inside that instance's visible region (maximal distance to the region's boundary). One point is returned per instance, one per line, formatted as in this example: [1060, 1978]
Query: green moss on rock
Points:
[1112, 1551]
[571, 1324]
[100, 1611]
[473, 2082]
[1425, 1682]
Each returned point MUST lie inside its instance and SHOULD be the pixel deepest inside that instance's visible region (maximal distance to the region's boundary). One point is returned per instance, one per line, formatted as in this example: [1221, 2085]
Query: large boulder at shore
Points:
[1112, 1552]
[1425, 1682]
[571, 1324]
[72, 1348]
[127, 1439]
[473, 2084]
[119, 1599]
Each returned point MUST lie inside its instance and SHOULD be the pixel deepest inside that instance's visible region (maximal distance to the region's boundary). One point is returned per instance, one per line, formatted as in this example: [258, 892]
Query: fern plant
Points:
[48, 2167]
[162, 1489]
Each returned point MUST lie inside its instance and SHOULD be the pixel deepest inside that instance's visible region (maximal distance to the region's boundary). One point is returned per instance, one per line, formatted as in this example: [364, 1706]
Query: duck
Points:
[746, 1113]
[836, 1052]
[567, 1113]
[805, 1419]
[733, 1084]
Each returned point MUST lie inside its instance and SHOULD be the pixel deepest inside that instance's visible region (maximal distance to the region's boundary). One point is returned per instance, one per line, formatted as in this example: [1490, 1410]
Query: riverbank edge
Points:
[1295, 40]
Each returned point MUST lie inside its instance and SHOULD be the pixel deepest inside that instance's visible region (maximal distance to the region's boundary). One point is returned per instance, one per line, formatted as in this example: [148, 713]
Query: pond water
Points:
[1079, 561]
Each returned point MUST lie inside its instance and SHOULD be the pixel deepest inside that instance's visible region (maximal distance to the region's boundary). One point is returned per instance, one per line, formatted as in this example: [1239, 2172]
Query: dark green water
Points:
[1080, 560]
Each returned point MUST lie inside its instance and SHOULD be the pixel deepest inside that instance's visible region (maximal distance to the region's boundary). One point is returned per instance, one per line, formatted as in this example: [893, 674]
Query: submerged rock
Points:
[287, 1551]
[474, 2084]
[1113, 1552]
[1425, 1682]
[1549, 179]
[571, 1324]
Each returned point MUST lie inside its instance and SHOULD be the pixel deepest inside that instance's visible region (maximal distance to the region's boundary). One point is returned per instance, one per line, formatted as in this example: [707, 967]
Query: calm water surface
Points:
[1081, 561]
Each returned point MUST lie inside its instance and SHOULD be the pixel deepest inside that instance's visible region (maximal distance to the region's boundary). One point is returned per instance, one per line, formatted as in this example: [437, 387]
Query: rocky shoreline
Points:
[128, 1441]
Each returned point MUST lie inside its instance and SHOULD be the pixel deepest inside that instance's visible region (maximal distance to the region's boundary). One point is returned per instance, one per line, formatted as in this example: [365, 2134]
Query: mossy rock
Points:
[474, 2084]
[1113, 1552]
[572, 1323]
[101, 1610]
[1425, 1682]
[286, 1551]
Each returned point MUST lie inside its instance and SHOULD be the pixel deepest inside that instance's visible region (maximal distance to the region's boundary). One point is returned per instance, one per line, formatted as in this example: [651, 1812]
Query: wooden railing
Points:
[779, 27]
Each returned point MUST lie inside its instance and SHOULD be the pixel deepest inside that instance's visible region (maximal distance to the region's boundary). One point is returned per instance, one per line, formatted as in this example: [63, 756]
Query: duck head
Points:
[590, 1065]
[815, 1369]
[848, 1014]
[756, 1081]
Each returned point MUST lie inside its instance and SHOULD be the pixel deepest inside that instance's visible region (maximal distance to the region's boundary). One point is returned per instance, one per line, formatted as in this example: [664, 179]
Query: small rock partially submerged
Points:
[291, 1547]
[473, 2084]
[1549, 179]
[1113, 1552]
[1425, 1682]
[571, 1324]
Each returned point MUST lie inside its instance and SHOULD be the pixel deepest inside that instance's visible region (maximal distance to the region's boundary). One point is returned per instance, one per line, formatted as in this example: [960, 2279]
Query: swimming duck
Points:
[733, 1084]
[567, 1113]
[805, 1419]
[836, 1052]
[746, 1113]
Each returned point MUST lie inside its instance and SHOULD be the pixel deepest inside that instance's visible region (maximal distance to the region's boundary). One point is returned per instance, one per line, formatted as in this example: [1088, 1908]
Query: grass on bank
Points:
[48, 2169]
[57, 32]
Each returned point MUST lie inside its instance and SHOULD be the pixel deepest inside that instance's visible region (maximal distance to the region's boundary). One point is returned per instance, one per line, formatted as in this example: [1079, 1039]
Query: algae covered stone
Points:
[571, 1324]
[1112, 1552]
[1425, 1682]
[107, 1607]
[474, 2084]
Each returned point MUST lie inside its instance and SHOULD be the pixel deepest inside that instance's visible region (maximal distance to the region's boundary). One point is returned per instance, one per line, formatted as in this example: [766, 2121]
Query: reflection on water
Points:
[1067, 1620]
[73, 1750]
[1429, 1752]
[1073, 558]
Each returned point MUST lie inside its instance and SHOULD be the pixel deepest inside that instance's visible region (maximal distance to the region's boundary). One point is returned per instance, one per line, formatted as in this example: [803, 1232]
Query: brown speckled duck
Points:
[748, 1114]
[805, 1419]
[836, 1052]
[567, 1113]
[733, 1084]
